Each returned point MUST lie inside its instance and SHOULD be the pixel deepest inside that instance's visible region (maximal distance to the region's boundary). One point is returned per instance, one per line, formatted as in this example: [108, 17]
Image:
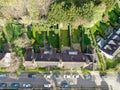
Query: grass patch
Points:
[37, 70]
[85, 42]
[100, 28]
[111, 63]
[54, 39]
[39, 41]
[21, 69]
[84, 70]
[3, 69]
[75, 36]
[64, 38]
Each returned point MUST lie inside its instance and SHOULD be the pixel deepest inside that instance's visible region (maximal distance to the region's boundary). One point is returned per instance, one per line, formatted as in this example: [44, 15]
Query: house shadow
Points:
[118, 77]
[104, 85]
[87, 83]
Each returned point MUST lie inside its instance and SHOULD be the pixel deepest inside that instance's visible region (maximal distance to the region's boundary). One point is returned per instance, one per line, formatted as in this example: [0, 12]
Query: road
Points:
[108, 83]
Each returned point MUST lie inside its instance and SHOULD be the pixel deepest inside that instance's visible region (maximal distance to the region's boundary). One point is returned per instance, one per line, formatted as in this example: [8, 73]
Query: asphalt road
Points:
[37, 82]
[106, 82]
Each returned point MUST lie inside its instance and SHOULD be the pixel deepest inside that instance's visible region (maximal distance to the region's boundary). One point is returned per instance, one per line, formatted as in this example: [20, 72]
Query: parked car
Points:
[32, 75]
[47, 85]
[3, 85]
[55, 75]
[27, 85]
[15, 85]
[64, 85]
[67, 76]
[87, 76]
[3, 75]
[47, 76]
[75, 76]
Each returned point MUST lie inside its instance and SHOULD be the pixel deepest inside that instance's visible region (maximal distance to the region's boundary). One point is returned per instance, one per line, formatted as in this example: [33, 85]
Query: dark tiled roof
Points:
[112, 43]
[66, 56]
[2, 55]
[46, 57]
[28, 55]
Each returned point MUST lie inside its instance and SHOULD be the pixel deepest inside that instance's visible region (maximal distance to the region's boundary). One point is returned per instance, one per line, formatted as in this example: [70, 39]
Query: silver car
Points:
[47, 85]
[3, 75]
[27, 85]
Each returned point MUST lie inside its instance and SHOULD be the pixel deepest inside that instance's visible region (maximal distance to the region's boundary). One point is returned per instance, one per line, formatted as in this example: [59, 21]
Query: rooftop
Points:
[112, 43]
[51, 55]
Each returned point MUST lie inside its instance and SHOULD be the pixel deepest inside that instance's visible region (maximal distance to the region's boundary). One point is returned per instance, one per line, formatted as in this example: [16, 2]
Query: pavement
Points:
[109, 82]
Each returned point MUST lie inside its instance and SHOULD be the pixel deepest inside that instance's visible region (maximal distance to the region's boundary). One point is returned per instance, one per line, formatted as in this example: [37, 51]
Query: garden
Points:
[64, 38]
[75, 37]
[53, 39]
[39, 40]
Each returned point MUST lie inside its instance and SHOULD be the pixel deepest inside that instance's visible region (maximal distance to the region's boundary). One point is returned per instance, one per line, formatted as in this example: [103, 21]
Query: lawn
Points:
[85, 42]
[64, 38]
[99, 27]
[84, 38]
[2, 69]
[53, 39]
[12, 31]
[75, 36]
[39, 40]
[111, 63]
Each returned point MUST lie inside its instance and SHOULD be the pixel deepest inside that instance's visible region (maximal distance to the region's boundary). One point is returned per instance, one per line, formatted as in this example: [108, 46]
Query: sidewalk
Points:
[110, 80]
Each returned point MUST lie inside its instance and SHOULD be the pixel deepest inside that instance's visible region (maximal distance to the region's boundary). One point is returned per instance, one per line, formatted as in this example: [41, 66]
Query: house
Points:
[112, 46]
[49, 57]
[5, 59]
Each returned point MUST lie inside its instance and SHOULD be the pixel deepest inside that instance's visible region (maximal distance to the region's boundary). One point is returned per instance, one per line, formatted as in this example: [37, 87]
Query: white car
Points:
[27, 85]
[48, 76]
[67, 76]
[47, 85]
[75, 76]
[3, 75]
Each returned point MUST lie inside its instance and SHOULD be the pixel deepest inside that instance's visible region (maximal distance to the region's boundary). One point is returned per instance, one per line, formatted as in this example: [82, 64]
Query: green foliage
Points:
[34, 30]
[117, 9]
[112, 17]
[99, 27]
[86, 11]
[20, 69]
[112, 63]
[109, 4]
[39, 40]
[37, 70]
[2, 41]
[85, 71]
[75, 36]
[12, 30]
[84, 39]
[53, 39]
[64, 38]
[2, 69]
[19, 51]
[59, 13]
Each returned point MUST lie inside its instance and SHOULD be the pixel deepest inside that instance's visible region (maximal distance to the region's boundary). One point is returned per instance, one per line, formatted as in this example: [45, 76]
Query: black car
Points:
[32, 75]
[3, 85]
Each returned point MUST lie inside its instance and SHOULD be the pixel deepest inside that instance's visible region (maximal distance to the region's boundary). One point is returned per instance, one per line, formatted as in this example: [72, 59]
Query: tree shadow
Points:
[86, 83]
[104, 85]
[118, 77]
